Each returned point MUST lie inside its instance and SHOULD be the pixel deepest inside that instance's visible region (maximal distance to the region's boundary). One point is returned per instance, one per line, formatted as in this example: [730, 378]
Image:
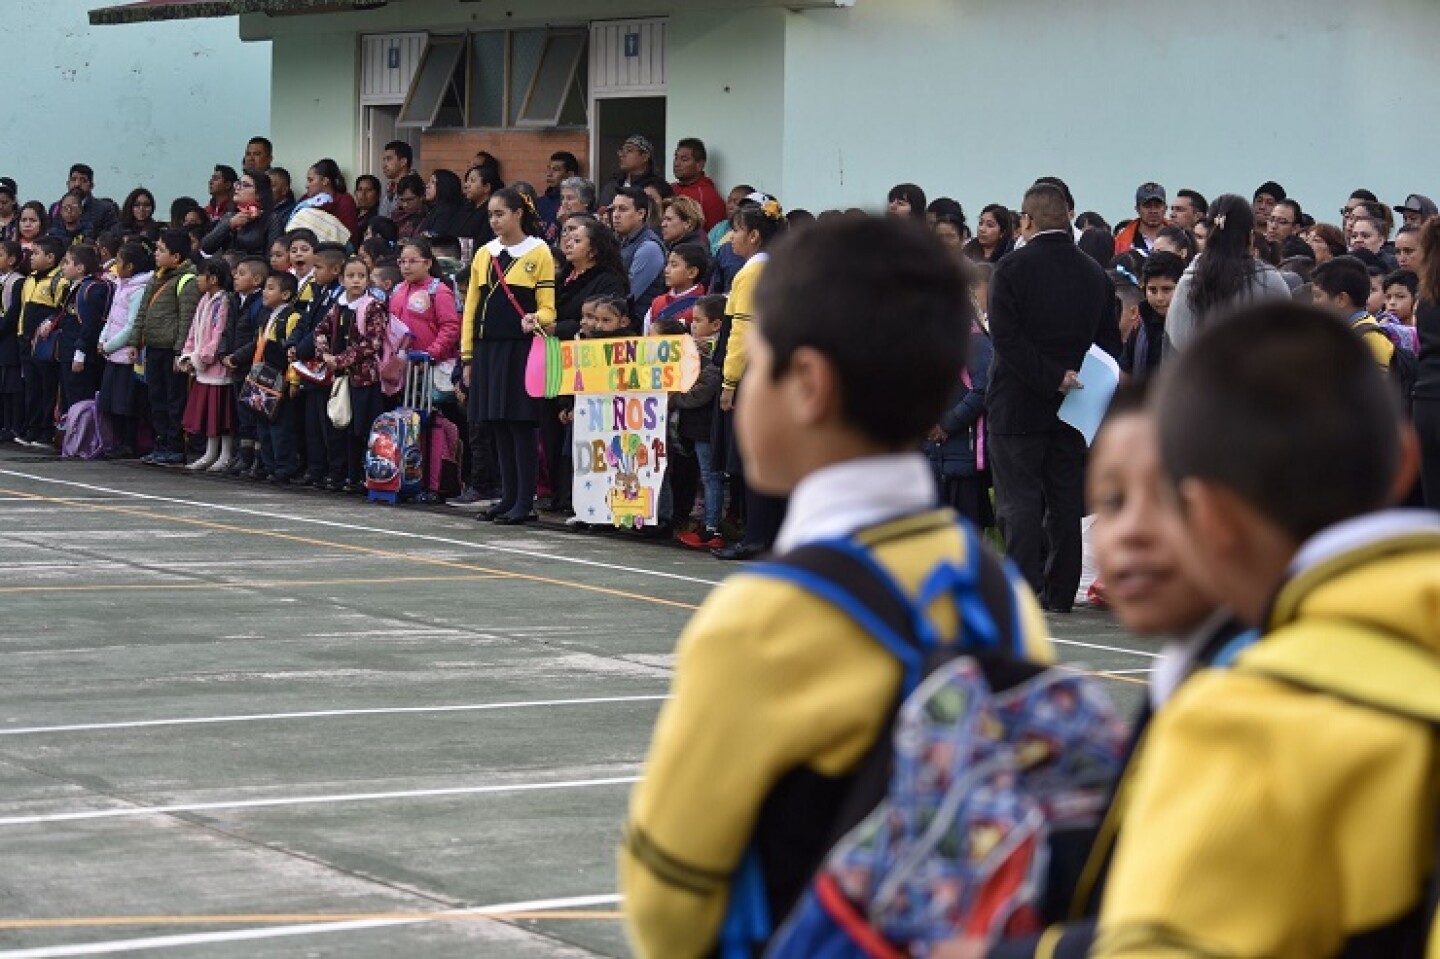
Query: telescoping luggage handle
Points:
[417, 382]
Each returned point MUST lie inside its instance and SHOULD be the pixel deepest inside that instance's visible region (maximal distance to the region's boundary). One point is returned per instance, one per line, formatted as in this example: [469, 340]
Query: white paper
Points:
[1085, 409]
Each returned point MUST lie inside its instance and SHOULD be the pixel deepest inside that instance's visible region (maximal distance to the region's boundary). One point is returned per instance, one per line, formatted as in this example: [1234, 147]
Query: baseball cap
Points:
[640, 143]
[1271, 188]
[1148, 192]
[1414, 203]
[7, 185]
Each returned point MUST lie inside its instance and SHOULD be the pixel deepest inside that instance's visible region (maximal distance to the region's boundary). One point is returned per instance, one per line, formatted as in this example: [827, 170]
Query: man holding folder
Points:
[1049, 303]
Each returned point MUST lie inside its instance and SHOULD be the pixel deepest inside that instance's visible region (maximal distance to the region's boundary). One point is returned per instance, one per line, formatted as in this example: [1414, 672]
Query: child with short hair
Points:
[697, 423]
[276, 461]
[210, 411]
[41, 299]
[685, 267]
[1286, 807]
[121, 398]
[325, 449]
[1401, 289]
[77, 347]
[833, 406]
[384, 277]
[162, 326]
[1143, 350]
[239, 349]
[12, 386]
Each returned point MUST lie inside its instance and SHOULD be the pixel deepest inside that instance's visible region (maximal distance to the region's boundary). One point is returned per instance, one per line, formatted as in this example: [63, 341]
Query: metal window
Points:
[555, 83]
[439, 85]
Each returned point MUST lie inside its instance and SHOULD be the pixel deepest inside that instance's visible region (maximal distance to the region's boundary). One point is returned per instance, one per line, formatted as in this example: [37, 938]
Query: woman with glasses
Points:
[252, 227]
[137, 216]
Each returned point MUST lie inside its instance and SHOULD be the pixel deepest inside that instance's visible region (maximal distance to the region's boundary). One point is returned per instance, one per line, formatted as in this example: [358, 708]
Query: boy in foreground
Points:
[1287, 807]
[778, 695]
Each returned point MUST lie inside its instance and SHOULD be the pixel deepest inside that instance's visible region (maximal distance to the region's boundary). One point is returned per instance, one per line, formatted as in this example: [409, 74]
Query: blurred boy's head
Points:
[1138, 534]
[1401, 288]
[250, 274]
[708, 317]
[687, 263]
[329, 259]
[280, 289]
[1341, 285]
[1276, 424]
[830, 376]
[385, 276]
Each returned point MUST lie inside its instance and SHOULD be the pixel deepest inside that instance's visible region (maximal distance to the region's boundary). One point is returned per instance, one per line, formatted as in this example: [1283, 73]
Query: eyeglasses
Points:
[1280, 221]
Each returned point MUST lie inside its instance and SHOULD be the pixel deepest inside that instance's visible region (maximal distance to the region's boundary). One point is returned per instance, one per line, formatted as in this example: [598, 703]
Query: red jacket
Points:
[703, 192]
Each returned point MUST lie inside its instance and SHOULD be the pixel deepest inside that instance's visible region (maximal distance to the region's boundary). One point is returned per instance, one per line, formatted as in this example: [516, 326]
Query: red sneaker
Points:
[702, 539]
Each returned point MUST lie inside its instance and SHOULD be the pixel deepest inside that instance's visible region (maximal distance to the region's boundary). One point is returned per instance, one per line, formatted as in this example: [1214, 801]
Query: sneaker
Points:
[702, 539]
[469, 496]
[171, 459]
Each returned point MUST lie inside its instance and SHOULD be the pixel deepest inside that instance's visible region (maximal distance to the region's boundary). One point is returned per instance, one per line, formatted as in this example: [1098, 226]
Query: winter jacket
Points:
[80, 323]
[430, 313]
[118, 334]
[962, 454]
[253, 239]
[203, 347]
[697, 405]
[11, 286]
[1182, 324]
[644, 257]
[168, 307]
[571, 295]
[354, 333]
[1144, 350]
[241, 332]
[704, 192]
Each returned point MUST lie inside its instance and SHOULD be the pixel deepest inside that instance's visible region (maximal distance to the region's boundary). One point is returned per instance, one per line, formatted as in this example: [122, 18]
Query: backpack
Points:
[947, 825]
[87, 432]
[1404, 364]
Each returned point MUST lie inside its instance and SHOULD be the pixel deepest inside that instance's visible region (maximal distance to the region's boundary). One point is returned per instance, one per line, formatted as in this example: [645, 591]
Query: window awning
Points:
[141, 11]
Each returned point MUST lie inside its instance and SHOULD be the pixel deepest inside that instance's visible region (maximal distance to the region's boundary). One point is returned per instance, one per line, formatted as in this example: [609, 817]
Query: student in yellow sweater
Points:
[778, 694]
[511, 299]
[758, 222]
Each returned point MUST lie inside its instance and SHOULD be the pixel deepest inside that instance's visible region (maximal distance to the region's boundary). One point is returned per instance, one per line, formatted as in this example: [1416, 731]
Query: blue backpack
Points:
[945, 826]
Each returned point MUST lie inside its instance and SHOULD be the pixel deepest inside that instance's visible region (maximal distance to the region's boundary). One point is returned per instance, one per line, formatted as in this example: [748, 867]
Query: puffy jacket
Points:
[167, 308]
[118, 336]
[430, 313]
[204, 345]
[963, 452]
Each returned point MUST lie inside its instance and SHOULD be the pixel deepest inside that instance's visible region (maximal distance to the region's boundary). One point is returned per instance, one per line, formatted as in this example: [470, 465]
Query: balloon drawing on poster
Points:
[619, 445]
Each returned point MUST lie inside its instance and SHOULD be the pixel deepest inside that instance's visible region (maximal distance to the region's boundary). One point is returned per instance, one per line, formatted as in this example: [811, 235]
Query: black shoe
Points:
[279, 479]
[120, 453]
[316, 482]
[490, 515]
[739, 551]
[511, 519]
[353, 488]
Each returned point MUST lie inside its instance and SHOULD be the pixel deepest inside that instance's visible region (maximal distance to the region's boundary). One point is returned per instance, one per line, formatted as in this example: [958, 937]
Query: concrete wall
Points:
[976, 98]
[315, 96]
[144, 104]
[726, 79]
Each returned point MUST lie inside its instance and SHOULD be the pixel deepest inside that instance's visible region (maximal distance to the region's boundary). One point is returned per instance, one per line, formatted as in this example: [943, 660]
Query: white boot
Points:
[227, 455]
[212, 450]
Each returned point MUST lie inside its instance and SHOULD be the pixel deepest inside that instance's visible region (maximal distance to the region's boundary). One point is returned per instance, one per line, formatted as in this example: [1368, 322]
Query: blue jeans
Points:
[713, 482]
[277, 441]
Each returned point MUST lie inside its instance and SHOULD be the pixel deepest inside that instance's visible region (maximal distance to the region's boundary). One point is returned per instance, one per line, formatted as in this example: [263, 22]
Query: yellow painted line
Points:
[424, 560]
[274, 584]
[367, 550]
[85, 922]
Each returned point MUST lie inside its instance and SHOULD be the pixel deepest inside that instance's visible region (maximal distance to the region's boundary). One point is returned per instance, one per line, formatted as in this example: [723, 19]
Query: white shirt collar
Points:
[518, 250]
[1361, 531]
[847, 497]
[1177, 658]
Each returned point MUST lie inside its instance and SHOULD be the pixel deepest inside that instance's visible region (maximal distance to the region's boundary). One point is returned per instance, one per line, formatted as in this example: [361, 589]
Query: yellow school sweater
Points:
[1268, 820]
[768, 678]
[740, 307]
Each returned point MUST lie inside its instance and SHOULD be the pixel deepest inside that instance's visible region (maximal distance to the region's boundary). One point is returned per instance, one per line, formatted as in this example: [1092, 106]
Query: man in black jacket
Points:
[1048, 303]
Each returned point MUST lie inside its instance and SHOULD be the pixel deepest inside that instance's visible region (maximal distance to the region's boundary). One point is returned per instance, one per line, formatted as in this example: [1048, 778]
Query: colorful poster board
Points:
[622, 405]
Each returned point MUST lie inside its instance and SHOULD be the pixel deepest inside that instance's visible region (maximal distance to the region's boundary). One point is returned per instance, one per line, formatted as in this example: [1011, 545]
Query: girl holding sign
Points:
[511, 298]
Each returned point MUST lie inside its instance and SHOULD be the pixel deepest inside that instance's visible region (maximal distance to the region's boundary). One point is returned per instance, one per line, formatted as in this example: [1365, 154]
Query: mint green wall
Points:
[726, 79]
[976, 98]
[153, 104]
[315, 102]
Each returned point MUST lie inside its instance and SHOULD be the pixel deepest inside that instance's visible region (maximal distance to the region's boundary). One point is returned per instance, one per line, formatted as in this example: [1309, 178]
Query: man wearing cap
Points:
[9, 211]
[1416, 209]
[97, 214]
[1266, 196]
[637, 169]
[1141, 232]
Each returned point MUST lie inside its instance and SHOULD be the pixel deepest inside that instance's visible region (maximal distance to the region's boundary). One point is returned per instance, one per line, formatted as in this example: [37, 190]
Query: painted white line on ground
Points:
[423, 537]
[353, 527]
[131, 812]
[1127, 672]
[113, 946]
[325, 713]
[1108, 649]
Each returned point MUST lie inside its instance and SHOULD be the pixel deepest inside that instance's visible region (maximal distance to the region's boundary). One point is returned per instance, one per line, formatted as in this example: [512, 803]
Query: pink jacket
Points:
[430, 313]
[207, 331]
[119, 331]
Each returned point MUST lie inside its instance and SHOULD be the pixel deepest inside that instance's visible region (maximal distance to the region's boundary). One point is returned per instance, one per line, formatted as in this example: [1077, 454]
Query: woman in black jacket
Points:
[594, 268]
[447, 206]
[253, 227]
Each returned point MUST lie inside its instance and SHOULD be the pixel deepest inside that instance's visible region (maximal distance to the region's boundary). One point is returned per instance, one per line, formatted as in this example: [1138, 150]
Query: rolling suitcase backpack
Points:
[395, 452]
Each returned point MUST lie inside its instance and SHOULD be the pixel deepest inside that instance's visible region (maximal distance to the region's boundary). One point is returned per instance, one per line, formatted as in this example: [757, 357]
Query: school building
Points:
[831, 102]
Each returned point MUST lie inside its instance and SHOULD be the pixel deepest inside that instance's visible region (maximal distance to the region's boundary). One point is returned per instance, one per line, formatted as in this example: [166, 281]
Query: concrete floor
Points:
[474, 704]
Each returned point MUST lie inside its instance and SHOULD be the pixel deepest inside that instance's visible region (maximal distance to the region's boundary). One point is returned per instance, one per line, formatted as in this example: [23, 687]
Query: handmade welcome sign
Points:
[629, 364]
[621, 389]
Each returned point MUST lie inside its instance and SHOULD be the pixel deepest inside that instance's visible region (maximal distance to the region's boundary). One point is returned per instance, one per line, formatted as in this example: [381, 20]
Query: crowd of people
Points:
[166, 320]
[856, 371]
